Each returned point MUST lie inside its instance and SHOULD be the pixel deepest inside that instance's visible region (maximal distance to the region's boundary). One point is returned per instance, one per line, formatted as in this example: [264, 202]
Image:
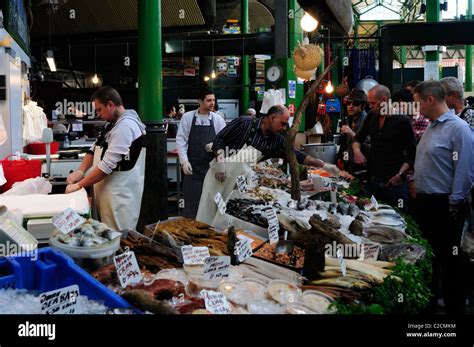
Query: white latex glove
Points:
[209, 147]
[332, 169]
[220, 172]
[187, 168]
[71, 188]
[75, 177]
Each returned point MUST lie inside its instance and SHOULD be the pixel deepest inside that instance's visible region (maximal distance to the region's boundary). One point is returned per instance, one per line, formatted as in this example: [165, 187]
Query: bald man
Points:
[393, 148]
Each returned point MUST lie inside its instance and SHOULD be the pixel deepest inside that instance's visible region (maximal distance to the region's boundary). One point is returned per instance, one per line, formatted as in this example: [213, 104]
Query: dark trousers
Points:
[394, 196]
[444, 234]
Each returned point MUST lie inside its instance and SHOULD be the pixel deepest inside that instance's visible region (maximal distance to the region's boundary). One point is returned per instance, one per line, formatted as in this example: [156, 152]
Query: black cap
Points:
[357, 95]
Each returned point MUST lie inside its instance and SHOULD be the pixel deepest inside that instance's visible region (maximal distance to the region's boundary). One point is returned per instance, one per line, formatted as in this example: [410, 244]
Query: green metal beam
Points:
[245, 59]
[150, 80]
[468, 61]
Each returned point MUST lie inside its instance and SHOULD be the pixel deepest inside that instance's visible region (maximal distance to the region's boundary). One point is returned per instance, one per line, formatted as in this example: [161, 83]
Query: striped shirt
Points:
[247, 130]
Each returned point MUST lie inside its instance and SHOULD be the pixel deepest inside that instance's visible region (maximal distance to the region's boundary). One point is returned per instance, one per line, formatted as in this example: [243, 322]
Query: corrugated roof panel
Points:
[181, 13]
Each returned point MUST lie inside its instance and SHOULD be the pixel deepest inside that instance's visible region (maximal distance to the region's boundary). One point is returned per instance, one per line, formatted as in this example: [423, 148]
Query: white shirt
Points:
[127, 129]
[184, 129]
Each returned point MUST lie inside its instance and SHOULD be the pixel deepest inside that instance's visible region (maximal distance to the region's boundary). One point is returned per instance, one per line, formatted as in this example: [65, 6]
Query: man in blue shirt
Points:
[443, 179]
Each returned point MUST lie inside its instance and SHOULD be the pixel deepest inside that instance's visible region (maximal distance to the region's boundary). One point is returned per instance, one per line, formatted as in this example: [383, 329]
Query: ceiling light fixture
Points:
[50, 60]
[308, 23]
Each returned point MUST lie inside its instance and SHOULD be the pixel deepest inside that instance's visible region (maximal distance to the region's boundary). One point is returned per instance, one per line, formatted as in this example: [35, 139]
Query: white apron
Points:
[118, 197]
[236, 165]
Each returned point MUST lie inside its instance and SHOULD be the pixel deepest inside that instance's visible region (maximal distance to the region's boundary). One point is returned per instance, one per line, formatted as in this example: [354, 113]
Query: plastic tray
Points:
[54, 270]
[289, 267]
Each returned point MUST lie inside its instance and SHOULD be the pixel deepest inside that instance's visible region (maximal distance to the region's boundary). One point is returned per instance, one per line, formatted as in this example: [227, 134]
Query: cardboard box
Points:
[313, 138]
[300, 140]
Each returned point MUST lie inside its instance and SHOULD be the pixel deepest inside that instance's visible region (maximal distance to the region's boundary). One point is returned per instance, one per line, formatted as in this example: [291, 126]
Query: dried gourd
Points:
[303, 74]
[308, 56]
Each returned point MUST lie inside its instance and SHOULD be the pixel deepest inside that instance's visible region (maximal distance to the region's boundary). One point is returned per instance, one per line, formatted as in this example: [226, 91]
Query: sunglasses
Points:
[355, 103]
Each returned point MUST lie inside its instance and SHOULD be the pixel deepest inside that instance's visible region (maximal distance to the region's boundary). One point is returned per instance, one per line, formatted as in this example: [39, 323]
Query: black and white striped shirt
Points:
[247, 130]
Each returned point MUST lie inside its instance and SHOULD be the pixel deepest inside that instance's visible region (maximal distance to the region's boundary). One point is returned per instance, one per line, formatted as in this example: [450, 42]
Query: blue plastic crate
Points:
[54, 270]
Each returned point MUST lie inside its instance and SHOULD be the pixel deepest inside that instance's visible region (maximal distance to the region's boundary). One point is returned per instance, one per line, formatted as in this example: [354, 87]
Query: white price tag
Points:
[77, 127]
[215, 302]
[273, 225]
[216, 268]
[220, 203]
[241, 184]
[67, 221]
[60, 301]
[370, 251]
[253, 180]
[342, 262]
[374, 202]
[243, 249]
[128, 270]
[194, 255]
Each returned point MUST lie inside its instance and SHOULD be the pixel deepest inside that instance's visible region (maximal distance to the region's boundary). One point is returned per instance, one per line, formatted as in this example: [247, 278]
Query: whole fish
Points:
[384, 234]
[409, 252]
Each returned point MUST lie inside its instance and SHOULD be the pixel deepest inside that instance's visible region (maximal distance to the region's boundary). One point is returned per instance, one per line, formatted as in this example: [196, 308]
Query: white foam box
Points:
[41, 229]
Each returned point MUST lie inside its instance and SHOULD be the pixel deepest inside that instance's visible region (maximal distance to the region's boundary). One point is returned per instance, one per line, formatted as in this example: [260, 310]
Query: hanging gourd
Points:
[308, 56]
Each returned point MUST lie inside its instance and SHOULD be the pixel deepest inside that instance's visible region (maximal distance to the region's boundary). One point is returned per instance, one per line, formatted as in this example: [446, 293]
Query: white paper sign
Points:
[220, 203]
[67, 221]
[216, 268]
[243, 249]
[342, 262]
[215, 302]
[374, 202]
[3, 180]
[253, 180]
[60, 301]
[370, 251]
[194, 255]
[273, 225]
[241, 184]
[128, 270]
[77, 127]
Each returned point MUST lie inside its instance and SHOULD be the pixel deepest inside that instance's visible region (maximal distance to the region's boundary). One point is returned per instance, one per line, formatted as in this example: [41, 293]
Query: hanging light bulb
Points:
[213, 74]
[308, 23]
[206, 78]
[329, 88]
[95, 79]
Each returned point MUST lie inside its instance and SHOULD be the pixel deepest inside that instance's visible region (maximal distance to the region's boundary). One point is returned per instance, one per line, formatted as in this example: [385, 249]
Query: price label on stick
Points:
[241, 184]
[253, 180]
[60, 301]
[243, 249]
[67, 221]
[342, 262]
[273, 225]
[128, 270]
[370, 251]
[194, 255]
[216, 268]
[220, 203]
[215, 302]
[374, 202]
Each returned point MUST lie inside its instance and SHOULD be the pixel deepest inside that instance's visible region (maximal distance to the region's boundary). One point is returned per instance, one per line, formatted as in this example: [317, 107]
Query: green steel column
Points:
[432, 15]
[245, 59]
[150, 80]
[468, 62]
[295, 33]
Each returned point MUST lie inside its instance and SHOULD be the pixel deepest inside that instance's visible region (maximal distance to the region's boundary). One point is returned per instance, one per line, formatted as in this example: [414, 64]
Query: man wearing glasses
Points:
[264, 134]
[356, 114]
